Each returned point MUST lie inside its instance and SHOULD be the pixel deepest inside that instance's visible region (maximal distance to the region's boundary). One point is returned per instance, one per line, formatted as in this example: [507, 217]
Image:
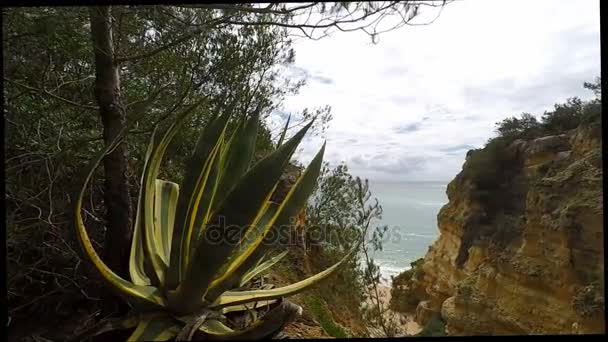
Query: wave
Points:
[387, 271]
[426, 236]
[431, 204]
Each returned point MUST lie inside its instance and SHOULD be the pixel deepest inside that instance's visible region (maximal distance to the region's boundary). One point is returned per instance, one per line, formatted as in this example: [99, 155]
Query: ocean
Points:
[410, 211]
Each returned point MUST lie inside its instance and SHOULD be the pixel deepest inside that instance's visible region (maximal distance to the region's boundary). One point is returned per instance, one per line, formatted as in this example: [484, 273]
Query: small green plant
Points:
[435, 327]
[197, 248]
[324, 317]
[403, 299]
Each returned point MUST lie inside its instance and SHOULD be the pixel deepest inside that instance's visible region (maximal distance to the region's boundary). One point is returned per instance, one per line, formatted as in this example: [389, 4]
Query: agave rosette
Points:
[186, 272]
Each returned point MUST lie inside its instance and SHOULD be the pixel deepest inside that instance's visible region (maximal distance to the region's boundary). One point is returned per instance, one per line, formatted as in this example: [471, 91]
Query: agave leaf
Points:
[242, 297]
[141, 294]
[121, 323]
[293, 202]
[228, 268]
[137, 257]
[164, 216]
[265, 327]
[239, 154]
[205, 198]
[153, 246]
[247, 307]
[155, 327]
[284, 131]
[235, 216]
[258, 270]
[185, 204]
[258, 228]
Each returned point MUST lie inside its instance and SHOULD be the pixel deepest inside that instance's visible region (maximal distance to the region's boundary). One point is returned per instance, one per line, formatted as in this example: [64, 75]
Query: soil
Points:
[407, 324]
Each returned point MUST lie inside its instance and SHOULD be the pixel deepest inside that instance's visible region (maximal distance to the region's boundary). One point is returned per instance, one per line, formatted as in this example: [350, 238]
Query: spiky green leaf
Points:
[239, 154]
[164, 216]
[155, 327]
[137, 257]
[145, 295]
[242, 297]
[194, 174]
[263, 267]
[253, 249]
[284, 132]
[151, 171]
[235, 216]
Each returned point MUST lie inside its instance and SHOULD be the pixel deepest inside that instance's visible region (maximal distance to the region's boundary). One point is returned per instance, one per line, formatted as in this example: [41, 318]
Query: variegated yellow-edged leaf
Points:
[291, 205]
[284, 132]
[234, 217]
[228, 278]
[164, 216]
[185, 204]
[239, 153]
[258, 270]
[265, 327]
[155, 327]
[247, 307]
[105, 325]
[139, 294]
[205, 199]
[242, 297]
[138, 255]
[152, 245]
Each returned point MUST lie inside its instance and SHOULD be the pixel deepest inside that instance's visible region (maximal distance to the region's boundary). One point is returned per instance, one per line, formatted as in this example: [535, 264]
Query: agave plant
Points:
[197, 247]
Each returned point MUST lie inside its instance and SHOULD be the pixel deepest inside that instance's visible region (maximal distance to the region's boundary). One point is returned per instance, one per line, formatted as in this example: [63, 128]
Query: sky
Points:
[409, 107]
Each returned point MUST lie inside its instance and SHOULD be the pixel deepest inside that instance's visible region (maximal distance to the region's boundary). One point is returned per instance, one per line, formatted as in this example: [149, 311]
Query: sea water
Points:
[410, 212]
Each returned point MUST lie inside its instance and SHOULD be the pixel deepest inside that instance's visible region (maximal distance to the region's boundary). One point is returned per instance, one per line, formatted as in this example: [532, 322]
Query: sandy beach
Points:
[406, 321]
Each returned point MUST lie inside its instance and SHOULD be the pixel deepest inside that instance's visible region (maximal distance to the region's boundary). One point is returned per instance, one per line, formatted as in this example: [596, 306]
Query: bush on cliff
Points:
[435, 327]
[563, 117]
[403, 298]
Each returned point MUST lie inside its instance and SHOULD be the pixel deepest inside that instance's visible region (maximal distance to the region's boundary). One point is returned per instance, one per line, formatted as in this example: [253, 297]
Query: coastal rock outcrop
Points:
[525, 254]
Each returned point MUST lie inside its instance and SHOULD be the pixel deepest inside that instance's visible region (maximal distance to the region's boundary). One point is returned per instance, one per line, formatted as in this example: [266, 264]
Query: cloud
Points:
[395, 71]
[410, 107]
[281, 114]
[322, 79]
[408, 128]
[387, 165]
[457, 148]
[402, 99]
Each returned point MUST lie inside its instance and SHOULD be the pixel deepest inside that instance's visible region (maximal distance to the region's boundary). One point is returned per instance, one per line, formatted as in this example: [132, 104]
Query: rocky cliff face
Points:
[525, 256]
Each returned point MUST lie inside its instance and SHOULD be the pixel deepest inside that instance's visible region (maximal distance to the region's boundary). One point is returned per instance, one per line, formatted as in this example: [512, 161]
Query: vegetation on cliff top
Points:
[493, 179]
[495, 171]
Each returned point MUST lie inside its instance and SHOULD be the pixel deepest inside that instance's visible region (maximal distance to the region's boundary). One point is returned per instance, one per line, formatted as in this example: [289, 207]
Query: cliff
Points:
[520, 249]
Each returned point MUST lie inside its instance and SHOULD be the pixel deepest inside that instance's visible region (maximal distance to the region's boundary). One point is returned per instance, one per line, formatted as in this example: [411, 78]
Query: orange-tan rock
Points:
[530, 269]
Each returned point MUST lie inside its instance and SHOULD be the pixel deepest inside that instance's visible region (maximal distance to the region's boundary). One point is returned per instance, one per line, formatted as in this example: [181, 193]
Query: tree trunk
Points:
[116, 188]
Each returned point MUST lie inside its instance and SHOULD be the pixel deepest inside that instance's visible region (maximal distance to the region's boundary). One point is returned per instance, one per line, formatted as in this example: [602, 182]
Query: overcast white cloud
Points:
[411, 106]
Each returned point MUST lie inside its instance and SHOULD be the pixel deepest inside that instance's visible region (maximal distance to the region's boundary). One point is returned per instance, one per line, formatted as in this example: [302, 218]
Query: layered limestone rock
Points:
[534, 268]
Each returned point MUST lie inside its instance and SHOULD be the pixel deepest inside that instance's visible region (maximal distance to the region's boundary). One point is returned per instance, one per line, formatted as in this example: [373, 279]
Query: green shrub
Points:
[435, 327]
[565, 116]
[525, 127]
[403, 299]
[489, 167]
[324, 317]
